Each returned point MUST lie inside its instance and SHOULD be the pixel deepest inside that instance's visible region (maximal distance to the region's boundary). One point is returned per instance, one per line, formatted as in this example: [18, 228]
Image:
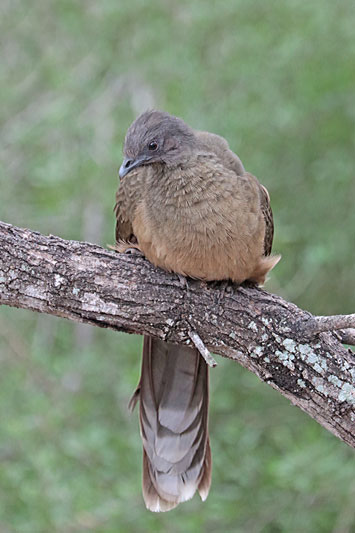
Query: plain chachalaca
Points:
[186, 202]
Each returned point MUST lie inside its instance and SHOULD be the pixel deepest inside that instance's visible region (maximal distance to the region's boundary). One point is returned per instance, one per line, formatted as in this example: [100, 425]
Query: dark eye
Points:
[152, 146]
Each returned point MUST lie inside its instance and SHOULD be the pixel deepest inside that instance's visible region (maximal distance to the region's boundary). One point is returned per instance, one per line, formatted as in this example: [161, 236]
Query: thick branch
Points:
[263, 332]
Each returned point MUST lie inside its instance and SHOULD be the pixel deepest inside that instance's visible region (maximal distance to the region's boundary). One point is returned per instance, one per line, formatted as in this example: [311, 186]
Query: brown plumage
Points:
[187, 203]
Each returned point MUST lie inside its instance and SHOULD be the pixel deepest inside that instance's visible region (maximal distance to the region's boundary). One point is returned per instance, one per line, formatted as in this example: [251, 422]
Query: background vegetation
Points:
[277, 79]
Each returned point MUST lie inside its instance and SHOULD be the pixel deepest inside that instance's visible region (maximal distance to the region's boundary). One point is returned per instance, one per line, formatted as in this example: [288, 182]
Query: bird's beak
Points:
[128, 164]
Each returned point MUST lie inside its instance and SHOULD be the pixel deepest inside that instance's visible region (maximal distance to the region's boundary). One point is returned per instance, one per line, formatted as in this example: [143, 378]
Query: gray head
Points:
[157, 137]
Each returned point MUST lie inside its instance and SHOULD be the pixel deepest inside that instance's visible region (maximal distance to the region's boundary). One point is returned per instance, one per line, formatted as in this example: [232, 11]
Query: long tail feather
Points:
[173, 393]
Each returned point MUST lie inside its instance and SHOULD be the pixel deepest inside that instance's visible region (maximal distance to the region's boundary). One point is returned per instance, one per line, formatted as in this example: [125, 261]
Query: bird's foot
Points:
[127, 247]
[183, 282]
[223, 287]
[134, 251]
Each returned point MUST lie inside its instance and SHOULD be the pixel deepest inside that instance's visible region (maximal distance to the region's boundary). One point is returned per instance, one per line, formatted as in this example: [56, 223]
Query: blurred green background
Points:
[277, 79]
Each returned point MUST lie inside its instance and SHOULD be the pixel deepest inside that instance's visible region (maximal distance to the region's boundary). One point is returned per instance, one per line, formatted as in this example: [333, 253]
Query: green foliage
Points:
[277, 79]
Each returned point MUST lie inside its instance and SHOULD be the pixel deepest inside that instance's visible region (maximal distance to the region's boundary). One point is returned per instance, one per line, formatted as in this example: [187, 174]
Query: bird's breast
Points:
[200, 231]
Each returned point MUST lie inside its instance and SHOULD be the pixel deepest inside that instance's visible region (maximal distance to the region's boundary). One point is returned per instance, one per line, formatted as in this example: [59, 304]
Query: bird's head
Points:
[157, 137]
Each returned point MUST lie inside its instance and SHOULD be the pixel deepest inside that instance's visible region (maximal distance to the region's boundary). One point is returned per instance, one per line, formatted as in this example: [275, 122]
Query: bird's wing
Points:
[124, 231]
[220, 147]
[129, 194]
[269, 219]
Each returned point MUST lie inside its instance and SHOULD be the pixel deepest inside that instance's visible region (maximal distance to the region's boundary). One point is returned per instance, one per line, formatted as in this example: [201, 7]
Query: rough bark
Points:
[273, 338]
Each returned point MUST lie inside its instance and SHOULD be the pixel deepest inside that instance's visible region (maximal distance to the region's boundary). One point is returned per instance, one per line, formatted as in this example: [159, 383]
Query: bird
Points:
[186, 202]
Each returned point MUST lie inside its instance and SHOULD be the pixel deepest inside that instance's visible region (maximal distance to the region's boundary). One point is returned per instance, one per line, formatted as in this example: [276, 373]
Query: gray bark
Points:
[271, 337]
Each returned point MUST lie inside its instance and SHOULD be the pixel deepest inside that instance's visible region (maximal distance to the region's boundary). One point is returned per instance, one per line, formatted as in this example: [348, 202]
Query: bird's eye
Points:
[152, 146]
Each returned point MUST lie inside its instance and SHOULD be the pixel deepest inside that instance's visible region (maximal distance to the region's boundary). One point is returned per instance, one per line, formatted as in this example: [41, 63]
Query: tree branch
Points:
[263, 332]
[317, 324]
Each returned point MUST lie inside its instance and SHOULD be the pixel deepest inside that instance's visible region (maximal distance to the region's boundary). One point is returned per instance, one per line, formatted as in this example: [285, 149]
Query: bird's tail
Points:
[173, 392]
[264, 265]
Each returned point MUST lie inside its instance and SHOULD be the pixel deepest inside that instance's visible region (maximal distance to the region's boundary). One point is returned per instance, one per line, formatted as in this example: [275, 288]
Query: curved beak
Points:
[129, 164]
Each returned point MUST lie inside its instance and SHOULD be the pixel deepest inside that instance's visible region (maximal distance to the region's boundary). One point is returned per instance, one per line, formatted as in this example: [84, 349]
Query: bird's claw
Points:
[183, 282]
[134, 251]
[223, 287]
